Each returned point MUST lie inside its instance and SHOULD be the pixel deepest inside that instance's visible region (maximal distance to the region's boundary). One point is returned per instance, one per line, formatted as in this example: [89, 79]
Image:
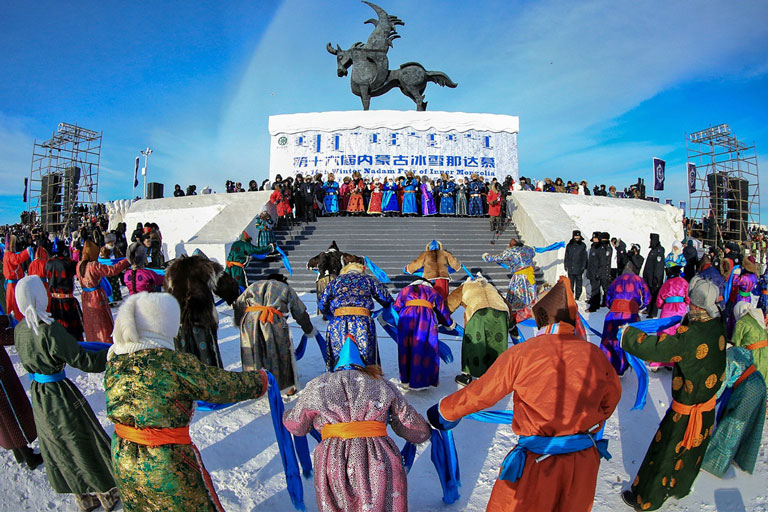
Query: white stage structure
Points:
[210, 222]
[388, 143]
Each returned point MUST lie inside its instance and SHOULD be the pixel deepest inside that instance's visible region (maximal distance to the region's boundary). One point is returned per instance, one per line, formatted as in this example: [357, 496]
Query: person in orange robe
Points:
[13, 258]
[562, 385]
[97, 317]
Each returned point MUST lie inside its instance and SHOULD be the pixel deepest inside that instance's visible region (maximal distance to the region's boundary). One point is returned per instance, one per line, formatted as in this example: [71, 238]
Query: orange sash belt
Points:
[266, 313]
[749, 371]
[352, 311]
[420, 303]
[62, 295]
[231, 264]
[757, 345]
[153, 436]
[696, 421]
[354, 429]
[625, 306]
[528, 273]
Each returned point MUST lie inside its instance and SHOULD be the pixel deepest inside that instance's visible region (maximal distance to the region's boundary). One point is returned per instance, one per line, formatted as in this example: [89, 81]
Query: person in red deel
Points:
[494, 207]
[15, 255]
[564, 391]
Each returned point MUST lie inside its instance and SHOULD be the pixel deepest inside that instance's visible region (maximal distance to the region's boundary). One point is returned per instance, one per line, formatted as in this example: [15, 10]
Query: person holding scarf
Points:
[14, 256]
[564, 389]
[674, 457]
[521, 293]
[742, 282]
[348, 302]
[138, 278]
[65, 308]
[626, 296]
[97, 317]
[151, 390]
[672, 300]
[238, 256]
[357, 466]
[420, 309]
[740, 428]
[261, 313]
[73, 444]
[750, 333]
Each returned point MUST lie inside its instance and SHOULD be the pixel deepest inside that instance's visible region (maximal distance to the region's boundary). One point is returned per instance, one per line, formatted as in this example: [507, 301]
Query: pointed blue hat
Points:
[349, 355]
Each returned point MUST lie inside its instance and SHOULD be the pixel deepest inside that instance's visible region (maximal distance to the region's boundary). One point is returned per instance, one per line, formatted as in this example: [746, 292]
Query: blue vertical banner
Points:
[691, 169]
[683, 205]
[659, 166]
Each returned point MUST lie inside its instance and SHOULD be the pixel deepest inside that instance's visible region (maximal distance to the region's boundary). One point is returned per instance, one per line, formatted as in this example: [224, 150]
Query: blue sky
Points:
[600, 87]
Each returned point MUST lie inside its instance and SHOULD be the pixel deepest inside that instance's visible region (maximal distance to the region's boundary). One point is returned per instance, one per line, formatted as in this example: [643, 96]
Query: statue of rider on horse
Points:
[371, 75]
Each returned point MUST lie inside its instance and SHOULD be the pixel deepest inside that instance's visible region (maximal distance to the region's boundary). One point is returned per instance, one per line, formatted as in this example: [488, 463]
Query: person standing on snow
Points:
[575, 262]
[653, 273]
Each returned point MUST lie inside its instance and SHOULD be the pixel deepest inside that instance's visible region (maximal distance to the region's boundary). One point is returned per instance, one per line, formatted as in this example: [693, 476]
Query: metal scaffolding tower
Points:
[64, 176]
[724, 186]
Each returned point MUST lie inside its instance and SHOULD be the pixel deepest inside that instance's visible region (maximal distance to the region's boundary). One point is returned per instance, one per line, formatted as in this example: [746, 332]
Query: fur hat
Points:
[557, 305]
[356, 268]
[576, 233]
[90, 251]
[137, 254]
[703, 294]
[749, 264]
[145, 320]
[110, 238]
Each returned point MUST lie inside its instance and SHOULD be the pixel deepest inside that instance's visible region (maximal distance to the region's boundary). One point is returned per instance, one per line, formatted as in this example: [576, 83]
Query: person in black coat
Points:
[595, 267]
[653, 273]
[304, 197]
[138, 233]
[575, 261]
[691, 256]
[621, 256]
[605, 274]
[177, 192]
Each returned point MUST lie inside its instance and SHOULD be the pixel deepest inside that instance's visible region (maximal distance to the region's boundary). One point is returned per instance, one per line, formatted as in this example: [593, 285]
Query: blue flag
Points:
[376, 271]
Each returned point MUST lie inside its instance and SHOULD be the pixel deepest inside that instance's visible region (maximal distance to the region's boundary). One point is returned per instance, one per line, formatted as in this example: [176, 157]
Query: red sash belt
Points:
[625, 306]
[758, 344]
[266, 313]
[235, 264]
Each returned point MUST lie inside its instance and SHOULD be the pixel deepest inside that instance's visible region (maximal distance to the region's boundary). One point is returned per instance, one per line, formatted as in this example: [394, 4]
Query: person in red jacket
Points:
[564, 391]
[15, 255]
[494, 207]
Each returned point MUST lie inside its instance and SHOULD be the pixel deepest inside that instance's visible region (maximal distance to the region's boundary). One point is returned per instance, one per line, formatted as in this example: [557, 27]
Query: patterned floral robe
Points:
[626, 287]
[266, 234]
[674, 287]
[265, 344]
[461, 200]
[698, 351]
[97, 316]
[417, 338]
[522, 290]
[374, 205]
[359, 474]
[239, 253]
[157, 388]
[352, 290]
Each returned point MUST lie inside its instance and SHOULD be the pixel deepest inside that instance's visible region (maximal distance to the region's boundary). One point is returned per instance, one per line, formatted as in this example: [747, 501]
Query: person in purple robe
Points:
[357, 466]
[427, 198]
[420, 308]
[741, 286]
[626, 296]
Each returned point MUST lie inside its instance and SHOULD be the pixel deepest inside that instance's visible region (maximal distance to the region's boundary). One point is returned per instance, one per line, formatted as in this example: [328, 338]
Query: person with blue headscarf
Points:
[357, 466]
[436, 266]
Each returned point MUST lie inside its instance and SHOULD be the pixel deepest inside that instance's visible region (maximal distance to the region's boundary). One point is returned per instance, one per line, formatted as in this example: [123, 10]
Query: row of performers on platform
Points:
[581, 401]
[404, 195]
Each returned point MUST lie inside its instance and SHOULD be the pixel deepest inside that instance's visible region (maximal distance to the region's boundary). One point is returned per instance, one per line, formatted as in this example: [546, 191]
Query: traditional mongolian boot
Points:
[108, 499]
[87, 502]
[32, 459]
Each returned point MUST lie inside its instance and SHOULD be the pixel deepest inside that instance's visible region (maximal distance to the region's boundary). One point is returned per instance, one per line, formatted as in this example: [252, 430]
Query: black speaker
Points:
[71, 183]
[50, 201]
[154, 190]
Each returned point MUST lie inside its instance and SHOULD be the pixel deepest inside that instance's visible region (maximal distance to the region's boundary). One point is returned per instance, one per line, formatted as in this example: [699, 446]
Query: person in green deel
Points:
[238, 257]
[697, 350]
[74, 447]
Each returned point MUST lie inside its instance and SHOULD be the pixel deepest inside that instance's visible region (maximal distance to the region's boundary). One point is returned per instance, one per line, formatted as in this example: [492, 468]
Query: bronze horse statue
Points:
[371, 75]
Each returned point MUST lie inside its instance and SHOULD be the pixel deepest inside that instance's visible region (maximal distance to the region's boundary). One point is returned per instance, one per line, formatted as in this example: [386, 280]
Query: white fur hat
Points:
[146, 320]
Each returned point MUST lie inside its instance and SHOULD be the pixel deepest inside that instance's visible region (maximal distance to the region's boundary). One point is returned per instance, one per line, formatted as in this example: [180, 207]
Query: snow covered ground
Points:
[239, 448]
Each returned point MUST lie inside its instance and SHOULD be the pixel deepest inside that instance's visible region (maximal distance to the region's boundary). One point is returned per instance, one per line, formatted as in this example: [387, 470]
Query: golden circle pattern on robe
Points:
[711, 381]
[682, 329]
[676, 417]
[721, 343]
[641, 337]
[672, 482]
[677, 383]
[689, 386]
[637, 481]
[664, 481]
[679, 465]
[662, 336]
[657, 437]
[697, 441]
[702, 351]
[675, 359]
[678, 447]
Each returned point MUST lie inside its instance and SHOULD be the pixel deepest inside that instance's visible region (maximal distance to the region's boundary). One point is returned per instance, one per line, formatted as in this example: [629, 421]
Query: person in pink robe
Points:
[97, 317]
[672, 300]
[365, 472]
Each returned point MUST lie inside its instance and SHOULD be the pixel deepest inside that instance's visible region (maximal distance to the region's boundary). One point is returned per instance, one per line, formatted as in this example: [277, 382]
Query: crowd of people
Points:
[161, 355]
